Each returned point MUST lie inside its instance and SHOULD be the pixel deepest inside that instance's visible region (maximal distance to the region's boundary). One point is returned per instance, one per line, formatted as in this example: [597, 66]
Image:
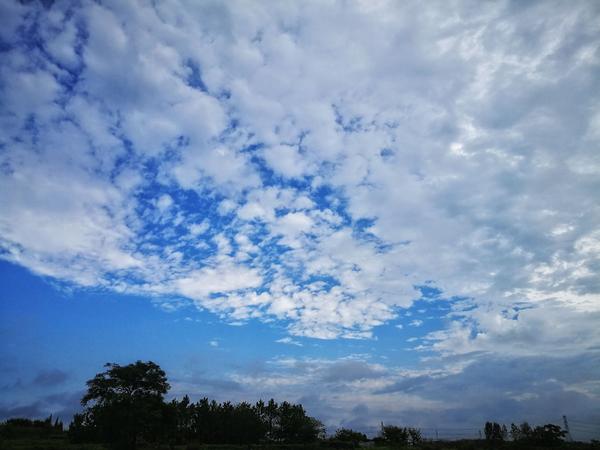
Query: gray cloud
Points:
[49, 378]
[33, 410]
[61, 405]
[350, 371]
[457, 394]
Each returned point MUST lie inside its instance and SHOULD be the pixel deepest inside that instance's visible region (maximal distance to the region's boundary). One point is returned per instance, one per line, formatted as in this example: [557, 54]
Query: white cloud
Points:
[226, 206]
[285, 160]
[228, 169]
[254, 210]
[456, 133]
[164, 202]
[290, 341]
[199, 228]
[224, 278]
[519, 332]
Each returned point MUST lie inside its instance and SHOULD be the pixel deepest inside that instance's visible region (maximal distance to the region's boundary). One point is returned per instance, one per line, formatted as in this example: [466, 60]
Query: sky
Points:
[387, 211]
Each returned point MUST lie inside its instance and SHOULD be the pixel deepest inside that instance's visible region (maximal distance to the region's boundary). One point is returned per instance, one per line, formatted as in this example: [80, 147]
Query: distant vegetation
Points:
[548, 435]
[124, 408]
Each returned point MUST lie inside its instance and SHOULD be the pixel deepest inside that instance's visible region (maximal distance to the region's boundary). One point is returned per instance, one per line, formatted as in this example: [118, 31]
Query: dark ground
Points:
[61, 442]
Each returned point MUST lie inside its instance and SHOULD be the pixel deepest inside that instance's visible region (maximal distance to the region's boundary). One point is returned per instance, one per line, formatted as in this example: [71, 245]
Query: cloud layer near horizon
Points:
[314, 164]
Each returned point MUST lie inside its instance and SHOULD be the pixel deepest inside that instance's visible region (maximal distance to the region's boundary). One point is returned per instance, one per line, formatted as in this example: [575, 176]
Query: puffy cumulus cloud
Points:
[312, 164]
[221, 278]
[285, 160]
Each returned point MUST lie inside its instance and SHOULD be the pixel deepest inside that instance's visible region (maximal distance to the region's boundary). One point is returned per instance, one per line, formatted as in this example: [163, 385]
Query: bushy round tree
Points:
[124, 404]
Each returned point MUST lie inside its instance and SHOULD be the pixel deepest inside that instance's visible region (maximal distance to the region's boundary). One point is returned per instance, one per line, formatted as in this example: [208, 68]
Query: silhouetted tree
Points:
[520, 432]
[271, 416]
[399, 436]
[348, 435]
[83, 428]
[549, 434]
[295, 426]
[33, 428]
[515, 432]
[414, 436]
[494, 431]
[546, 435]
[394, 435]
[124, 404]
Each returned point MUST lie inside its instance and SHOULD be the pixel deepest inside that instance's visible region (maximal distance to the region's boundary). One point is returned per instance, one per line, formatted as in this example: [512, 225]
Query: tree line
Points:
[28, 428]
[524, 433]
[124, 407]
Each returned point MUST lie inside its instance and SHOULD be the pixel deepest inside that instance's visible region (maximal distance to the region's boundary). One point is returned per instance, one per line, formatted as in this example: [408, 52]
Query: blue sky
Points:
[385, 211]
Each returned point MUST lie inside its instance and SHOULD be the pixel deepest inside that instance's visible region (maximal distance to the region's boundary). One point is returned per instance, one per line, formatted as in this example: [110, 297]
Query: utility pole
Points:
[569, 437]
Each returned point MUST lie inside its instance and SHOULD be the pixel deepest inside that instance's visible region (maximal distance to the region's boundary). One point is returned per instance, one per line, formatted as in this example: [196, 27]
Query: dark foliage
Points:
[350, 436]
[124, 407]
[495, 432]
[18, 427]
[210, 422]
[546, 435]
[400, 436]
